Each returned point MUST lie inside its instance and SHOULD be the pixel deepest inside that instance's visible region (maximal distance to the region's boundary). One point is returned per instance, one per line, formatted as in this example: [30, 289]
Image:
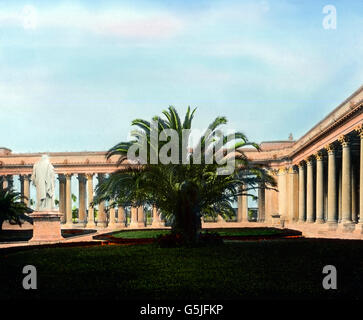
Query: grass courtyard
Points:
[286, 268]
[242, 232]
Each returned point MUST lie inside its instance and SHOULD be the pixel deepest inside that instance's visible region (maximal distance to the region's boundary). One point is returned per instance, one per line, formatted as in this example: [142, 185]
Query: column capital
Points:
[301, 164]
[89, 175]
[292, 170]
[61, 177]
[81, 177]
[272, 171]
[68, 175]
[282, 170]
[319, 155]
[359, 130]
[330, 148]
[309, 160]
[344, 141]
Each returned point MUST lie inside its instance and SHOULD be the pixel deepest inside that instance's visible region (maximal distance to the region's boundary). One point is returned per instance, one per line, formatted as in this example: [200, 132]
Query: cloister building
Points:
[319, 180]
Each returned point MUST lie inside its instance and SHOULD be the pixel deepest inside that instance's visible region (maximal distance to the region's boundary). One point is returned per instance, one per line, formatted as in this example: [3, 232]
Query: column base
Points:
[101, 224]
[320, 221]
[332, 226]
[137, 225]
[157, 224]
[111, 225]
[120, 225]
[347, 226]
[80, 224]
[90, 225]
[68, 226]
[358, 228]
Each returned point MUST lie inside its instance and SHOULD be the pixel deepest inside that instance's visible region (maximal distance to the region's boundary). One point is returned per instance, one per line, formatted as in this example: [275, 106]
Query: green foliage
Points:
[183, 192]
[74, 213]
[12, 207]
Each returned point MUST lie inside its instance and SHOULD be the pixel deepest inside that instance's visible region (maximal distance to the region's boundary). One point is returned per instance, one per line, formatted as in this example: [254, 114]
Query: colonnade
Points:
[325, 187]
[116, 217]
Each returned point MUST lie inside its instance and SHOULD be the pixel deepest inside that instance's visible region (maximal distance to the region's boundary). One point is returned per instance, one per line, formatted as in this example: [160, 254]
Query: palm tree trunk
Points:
[188, 223]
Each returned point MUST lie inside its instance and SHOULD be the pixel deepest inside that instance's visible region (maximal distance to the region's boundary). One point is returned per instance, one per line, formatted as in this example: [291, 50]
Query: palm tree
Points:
[192, 187]
[12, 207]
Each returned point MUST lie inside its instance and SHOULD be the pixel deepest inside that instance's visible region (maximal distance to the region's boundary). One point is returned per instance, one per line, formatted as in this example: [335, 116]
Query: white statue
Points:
[43, 178]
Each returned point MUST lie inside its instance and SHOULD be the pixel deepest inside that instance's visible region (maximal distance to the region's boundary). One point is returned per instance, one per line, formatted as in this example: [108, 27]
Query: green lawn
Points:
[255, 269]
[248, 232]
[138, 234]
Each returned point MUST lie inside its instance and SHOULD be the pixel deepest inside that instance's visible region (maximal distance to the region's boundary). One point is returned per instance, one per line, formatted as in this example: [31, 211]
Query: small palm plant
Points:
[12, 207]
[191, 188]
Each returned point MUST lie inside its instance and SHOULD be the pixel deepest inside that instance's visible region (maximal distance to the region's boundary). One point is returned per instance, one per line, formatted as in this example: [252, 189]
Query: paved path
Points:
[309, 230]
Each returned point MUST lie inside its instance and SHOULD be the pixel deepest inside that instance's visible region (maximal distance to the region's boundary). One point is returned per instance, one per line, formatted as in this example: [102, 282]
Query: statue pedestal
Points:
[46, 226]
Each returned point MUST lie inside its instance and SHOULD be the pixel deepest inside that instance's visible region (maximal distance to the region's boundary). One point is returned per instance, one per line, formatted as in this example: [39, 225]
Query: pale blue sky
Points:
[74, 74]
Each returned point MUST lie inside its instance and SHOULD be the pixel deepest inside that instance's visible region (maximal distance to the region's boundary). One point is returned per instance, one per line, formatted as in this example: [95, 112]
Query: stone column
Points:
[309, 191]
[133, 222]
[10, 181]
[141, 217]
[91, 215]
[302, 204]
[354, 194]
[121, 216]
[69, 222]
[112, 218]
[62, 197]
[244, 208]
[282, 192]
[156, 218]
[101, 219]
[340, 195]
[319, 188]
[21, 179]
[25, 188]
[239, 209]
[82, 200]
[293, 195]
[5, 182]
[359, 129]
[346, 182]
[261, 204]
[332, 187]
